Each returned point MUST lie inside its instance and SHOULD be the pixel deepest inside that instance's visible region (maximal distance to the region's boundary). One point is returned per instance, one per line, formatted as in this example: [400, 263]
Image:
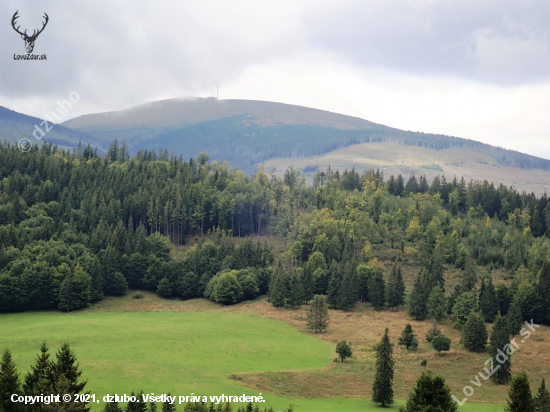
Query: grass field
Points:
[196, 346]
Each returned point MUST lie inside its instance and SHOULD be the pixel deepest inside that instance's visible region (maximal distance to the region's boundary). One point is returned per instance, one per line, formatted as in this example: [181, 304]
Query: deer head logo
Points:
[29, 40]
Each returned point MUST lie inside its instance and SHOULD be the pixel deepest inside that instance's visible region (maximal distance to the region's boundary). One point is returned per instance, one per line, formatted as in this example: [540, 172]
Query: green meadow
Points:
[179, 352]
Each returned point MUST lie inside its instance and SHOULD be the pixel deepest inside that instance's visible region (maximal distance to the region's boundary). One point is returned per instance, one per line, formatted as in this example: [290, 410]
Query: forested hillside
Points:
[75, 226]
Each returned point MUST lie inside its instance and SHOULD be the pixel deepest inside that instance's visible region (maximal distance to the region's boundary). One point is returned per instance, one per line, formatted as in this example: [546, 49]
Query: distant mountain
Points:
[15, 126]
[249, 132]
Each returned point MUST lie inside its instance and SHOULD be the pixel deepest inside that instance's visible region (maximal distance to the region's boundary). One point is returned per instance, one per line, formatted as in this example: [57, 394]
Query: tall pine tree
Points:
[418, 306]
[499, 339]
[543, 287]
[9, 384]
[66, 371]
[377, 289]
[317, 314]
[33, 384]
[168, 407]
[542, 401]
[519, 395]
[488, 302]
[437, 303]
[382, 386]
[278, 288]
[514, 319]
[395, 289]
[474, 334]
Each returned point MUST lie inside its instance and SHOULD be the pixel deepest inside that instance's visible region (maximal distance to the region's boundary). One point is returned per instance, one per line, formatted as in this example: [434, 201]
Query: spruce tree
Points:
[38, 372]
[408, 338]
[437, 270]
[363, 275]
[514, 319]
[430, 394]
[167, 406]
[296, 294]
[470, 275]
[499, 339]
[418, 308]
[66, 365]
[118, 285]
[395, 289]
[504, 297]
[488, 303]
[333, 290]
[278, 288]
[343, 350]
[382, 386]
[112, 407]
[317, 314]
[543, 286]
[9, 384]
[437, 303]
[152, 407]
[519, 395]
[308, 284]
[542, 401]
[377, 289]
[481, 290]
[132, 406]
[141, 406]
[474, 334]
[347, 294]
[451, 300]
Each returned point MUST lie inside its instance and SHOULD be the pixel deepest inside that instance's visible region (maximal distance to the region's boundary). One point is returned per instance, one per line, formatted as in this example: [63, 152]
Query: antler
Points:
[43, 26]
[34, 33]
[15, 16]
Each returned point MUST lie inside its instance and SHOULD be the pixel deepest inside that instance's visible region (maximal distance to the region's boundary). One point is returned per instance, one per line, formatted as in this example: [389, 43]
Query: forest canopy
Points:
[76, 226]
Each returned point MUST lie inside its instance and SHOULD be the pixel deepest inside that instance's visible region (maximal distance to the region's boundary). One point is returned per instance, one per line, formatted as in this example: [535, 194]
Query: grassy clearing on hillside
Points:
[394, 159]
[160, 345]
[165, 352]
[363, 327]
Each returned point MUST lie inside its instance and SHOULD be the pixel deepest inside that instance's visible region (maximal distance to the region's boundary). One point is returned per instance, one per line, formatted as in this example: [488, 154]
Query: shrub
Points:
[432, 333]
[343, 350]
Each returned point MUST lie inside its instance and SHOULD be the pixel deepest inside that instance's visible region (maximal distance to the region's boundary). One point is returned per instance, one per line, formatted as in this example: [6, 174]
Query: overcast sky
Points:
[475, 69]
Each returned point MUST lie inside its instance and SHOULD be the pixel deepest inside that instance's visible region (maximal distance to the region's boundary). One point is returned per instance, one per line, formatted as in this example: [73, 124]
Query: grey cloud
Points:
[499, 42]
[123, 53]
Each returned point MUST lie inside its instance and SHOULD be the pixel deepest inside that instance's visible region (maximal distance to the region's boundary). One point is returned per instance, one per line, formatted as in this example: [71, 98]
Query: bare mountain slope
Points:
[406, 160]
[182, 112]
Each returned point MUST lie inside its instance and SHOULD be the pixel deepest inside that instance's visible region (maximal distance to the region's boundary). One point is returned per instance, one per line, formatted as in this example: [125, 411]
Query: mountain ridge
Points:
[250, 132]
[246, 133]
